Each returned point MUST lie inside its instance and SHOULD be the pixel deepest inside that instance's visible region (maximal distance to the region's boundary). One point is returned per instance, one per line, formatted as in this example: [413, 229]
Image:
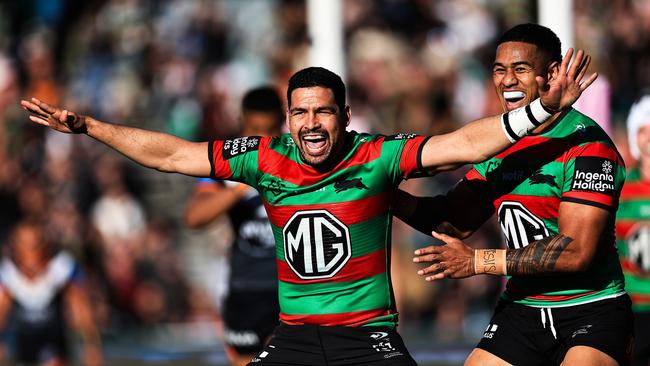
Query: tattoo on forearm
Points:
[538, 257]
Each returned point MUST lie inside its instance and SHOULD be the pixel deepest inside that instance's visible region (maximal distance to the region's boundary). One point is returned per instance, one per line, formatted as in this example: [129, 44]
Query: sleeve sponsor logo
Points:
[240, 145]
[594, 174]
[401, 136]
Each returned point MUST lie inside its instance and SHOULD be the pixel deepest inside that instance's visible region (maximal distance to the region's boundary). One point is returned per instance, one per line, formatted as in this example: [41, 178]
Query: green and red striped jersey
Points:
[573, 160]
[332, 226]
[633, 239]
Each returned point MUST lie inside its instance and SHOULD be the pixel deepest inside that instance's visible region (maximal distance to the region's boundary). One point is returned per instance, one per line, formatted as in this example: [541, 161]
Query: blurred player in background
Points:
[250, 310]
[43, 289]
[555, 193]
[633, 228]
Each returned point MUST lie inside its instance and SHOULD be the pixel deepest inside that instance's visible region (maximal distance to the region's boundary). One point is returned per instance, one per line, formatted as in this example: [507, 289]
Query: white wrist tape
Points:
[521, 121]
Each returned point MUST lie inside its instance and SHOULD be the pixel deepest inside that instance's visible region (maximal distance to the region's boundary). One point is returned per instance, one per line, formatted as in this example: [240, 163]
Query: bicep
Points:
[585, 224]
[191, 158]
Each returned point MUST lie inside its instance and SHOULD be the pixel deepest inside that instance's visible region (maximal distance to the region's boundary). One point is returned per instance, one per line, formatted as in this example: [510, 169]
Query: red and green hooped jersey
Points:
[573, 160]
[633, 239]
[332, 228]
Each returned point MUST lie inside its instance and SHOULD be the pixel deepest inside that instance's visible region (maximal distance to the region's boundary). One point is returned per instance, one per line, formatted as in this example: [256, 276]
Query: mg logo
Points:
[316, 244]
[519, 225]
[638, 246]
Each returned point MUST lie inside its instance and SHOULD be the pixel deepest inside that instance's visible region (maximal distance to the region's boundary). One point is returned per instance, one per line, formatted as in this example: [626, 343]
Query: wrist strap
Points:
[490, 261]
[521, 121]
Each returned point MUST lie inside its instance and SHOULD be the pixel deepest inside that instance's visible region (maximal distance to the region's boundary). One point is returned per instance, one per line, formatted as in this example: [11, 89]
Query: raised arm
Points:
[151, 149]
[580, 227]
[486, 137]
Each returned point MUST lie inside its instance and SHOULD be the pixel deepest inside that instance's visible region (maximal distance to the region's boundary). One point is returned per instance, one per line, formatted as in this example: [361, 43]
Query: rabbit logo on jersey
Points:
[594, 174]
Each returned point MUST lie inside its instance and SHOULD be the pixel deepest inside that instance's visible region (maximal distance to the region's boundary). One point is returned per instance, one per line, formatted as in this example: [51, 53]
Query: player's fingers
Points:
[426, 258]
[44, 106]
[435, 277]
[33, 108]
[428, 250]
[440, 236]
[434, 268]
[585, 84]
[575, 65]
[39, 120]
[565, 62]
[583, 68]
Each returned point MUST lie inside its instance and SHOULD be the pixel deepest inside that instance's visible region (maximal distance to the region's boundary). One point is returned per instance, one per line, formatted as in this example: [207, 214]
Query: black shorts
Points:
[313, 345]
[524, 335]
[40, 345]
[249, 319]
[641, 355]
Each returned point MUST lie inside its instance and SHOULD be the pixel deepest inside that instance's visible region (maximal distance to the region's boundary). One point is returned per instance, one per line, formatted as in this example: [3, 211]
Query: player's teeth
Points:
[513, 94]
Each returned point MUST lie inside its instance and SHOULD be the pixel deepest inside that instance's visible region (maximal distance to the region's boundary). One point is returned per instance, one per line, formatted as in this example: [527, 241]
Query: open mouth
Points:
[513, 98]
[315, 143]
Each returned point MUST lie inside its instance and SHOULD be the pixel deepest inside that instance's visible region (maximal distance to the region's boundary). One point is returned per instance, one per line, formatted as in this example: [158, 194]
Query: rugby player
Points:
[555, 193]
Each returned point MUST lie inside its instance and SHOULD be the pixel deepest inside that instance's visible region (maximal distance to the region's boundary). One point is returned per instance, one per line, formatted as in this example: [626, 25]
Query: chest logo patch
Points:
[316, 244]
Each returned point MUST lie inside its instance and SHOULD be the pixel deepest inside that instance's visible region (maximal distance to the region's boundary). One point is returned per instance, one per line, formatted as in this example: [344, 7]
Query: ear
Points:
[552, 70]
[286, 118]
[347, 115]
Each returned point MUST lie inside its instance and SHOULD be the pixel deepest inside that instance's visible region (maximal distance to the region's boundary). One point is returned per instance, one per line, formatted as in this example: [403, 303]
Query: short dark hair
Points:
[538, 35]
[318, 76]
[264, 99]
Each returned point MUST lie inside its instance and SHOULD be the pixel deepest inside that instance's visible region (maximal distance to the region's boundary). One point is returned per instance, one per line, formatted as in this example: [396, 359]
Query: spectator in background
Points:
[633, 228]
[46, 288]
[250, 311]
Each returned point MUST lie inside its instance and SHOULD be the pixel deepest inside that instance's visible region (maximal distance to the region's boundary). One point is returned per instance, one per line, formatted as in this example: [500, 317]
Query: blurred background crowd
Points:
[181, 66]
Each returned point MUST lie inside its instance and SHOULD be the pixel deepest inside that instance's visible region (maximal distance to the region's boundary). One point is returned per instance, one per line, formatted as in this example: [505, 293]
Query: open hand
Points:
[453, 260]
[562, 91]
[53, 117]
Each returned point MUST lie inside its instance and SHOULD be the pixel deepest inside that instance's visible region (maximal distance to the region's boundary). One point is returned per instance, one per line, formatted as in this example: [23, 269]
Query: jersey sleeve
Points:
[403, 154]
[236, 159]
[594, 175]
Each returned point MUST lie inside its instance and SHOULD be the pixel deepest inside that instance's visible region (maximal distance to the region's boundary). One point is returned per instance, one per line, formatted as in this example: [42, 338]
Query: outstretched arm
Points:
[483, 138]
[580, 228]
[151, 149]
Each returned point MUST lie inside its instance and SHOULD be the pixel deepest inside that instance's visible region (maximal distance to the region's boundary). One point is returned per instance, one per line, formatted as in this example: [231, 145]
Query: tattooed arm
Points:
[571, 250]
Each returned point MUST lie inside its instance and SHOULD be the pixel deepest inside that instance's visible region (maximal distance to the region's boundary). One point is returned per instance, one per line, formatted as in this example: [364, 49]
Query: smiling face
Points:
[515, 67]
[316, 123]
